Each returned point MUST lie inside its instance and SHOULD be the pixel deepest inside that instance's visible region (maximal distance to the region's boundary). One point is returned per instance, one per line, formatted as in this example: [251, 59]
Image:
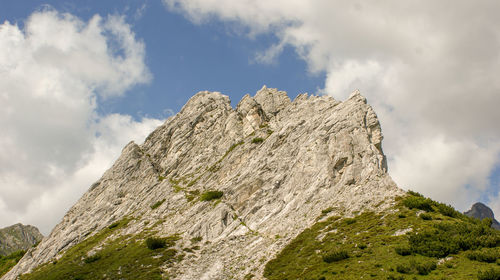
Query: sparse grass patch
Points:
[257, 140]
[211, 195]
[157, 204]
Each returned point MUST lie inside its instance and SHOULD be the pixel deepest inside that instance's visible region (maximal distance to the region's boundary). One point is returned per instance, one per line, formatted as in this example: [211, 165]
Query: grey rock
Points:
[316, 153]
[18, 237]
[481, 211]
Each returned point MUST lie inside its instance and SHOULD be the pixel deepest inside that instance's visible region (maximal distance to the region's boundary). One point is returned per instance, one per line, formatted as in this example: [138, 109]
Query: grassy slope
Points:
[126, 257]
[370, 242]
[7, 262]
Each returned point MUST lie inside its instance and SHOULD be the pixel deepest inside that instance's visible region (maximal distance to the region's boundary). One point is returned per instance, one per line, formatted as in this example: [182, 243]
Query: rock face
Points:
[481, 211]
[18, 237]
[278, 162]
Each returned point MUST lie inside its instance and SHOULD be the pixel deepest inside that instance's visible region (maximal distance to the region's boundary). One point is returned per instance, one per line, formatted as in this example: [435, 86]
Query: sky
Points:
[80, 79]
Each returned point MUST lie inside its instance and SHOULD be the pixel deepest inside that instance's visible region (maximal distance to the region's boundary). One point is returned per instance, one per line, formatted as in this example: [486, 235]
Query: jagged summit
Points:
[18, 237]
[481, 211]
[234, 178]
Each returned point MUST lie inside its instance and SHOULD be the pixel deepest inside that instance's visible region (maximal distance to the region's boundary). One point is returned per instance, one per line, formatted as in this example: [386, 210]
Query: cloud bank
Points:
[53, 143]
[429, 69]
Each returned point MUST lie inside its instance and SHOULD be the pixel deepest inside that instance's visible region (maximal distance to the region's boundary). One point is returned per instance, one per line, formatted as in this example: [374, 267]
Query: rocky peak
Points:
[481, 211]
[277, 164]
[18, 237]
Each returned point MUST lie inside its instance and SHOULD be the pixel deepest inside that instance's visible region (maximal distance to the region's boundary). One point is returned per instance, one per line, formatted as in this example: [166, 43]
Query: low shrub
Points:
[92, 258]
[489, 255]
[425, 217]
[403, 268]
[349, 221]
[490, 274]
[418, 202]
[113, 225]
[425, 267]
[257, 140]
[335, 256]
[403, 250]
[447, 210]
[211, 195]
[154, 243]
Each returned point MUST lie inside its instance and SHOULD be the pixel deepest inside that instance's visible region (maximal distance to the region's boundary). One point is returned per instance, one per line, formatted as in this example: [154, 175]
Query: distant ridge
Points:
[18, 237]
[481, 211]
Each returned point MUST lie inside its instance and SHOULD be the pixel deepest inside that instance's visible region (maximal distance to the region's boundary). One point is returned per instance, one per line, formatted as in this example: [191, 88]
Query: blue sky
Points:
[183, 57]
[80, 79]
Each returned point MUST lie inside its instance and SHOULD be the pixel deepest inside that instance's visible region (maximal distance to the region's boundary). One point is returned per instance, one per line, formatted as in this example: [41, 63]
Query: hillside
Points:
[18, 237]
[14, 241]
[238, 193]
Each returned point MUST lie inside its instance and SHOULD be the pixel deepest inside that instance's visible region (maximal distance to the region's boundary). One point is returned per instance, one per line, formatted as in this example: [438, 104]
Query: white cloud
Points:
[430, 70]
[53, 143]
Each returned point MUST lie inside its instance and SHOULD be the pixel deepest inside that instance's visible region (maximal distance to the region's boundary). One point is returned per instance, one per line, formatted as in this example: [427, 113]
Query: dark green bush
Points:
[335, 256]
[403, 250]
[426, 217]
[403, 268]
[490, 274]
[447, 210]
[489, 255]
[418, 202]
[425, 267]
[113, 225]
[451, 237]
[211, 195]
[349, 221]
[154, 243]
[362, 246]
[92, 259]
[257, 140]
[410, 192]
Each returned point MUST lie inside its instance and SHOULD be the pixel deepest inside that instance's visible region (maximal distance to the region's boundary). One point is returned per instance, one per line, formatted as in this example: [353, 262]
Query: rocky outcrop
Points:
[481, 211]
[278, 162]
[18, 237]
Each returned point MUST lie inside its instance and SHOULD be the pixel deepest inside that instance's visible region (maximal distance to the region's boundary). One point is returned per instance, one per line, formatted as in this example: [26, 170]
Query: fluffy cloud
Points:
[430, 70]
[53, 142]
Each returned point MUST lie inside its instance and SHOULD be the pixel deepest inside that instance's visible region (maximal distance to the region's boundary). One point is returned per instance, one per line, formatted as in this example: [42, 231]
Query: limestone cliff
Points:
[277, 163]
[18, 237]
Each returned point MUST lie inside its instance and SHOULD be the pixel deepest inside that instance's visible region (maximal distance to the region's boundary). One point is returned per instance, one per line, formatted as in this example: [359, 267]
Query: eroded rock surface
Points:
[18, 237]
[278, 162]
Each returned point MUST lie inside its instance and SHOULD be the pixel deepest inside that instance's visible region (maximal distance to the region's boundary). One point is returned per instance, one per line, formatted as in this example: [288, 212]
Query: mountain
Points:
[272, 188]
[18, 237]
[481, 211]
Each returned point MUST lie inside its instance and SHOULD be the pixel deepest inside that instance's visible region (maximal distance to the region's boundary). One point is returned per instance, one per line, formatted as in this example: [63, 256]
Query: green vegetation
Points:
[154, 243]
[444, 245]
[161, 178]
[7, 262]
[257, 140]
[124, 257]
[211, 195]
[157, 204]
[490, 274]
[335, 256]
